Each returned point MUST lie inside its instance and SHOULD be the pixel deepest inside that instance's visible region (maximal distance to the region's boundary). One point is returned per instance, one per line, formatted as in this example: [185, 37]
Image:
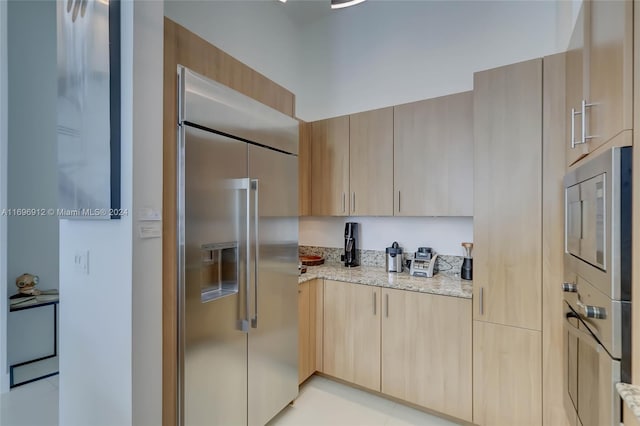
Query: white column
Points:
[4, 368]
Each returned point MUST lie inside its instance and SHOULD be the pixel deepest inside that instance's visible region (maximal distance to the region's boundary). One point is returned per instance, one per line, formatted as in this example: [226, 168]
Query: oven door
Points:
[590, 377]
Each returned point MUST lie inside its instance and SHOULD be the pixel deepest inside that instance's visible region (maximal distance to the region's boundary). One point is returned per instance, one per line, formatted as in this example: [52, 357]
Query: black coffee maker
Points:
[350, 247]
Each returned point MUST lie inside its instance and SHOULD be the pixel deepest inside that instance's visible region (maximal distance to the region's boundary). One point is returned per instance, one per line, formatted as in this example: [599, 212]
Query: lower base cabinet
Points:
[412, 346]
[351, 347]
[309, 321]
[507, 367]
[304, 338]
[426, 351]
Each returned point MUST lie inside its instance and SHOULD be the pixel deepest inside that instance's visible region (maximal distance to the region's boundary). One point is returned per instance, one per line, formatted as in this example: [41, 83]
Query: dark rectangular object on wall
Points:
[89, 121]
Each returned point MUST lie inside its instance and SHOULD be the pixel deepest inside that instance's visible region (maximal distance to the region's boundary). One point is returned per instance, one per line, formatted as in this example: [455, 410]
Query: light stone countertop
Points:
[442, 284]
[631, 396]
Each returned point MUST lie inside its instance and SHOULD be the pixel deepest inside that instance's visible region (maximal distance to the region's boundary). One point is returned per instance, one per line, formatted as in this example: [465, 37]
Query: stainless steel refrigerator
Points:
[238, 256]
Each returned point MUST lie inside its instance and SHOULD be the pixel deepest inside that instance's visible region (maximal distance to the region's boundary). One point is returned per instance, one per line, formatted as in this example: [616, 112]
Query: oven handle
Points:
[582, 335]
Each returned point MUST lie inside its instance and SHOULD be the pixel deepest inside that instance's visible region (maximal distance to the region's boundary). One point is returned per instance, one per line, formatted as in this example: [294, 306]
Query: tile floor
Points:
[33, 404]
[322, 402]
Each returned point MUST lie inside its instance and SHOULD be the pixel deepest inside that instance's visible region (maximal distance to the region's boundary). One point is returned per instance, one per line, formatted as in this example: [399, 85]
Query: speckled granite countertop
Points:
[442, 284]
[631, 395]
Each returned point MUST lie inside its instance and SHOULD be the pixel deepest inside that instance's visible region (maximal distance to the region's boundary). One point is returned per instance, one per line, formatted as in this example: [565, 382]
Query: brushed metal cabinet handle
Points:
[481, 301]
[399, 205]
[573, 129]
[387, 303]
[375, 299]
[585, 105]
[353, 197]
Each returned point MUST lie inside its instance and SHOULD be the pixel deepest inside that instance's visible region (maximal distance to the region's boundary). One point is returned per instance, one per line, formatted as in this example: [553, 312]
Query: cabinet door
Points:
[371, 163]
[575, 89]
[330, 167]
[317, 322]
[304, 170]
[433, 157]
[610, 70]
[352, 333]
[423, 361]
[506, 375]
[508, 195]
[304, 337]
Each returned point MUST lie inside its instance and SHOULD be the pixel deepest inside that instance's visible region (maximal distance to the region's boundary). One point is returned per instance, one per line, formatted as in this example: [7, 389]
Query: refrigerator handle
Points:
[256, 217]
[244, 323]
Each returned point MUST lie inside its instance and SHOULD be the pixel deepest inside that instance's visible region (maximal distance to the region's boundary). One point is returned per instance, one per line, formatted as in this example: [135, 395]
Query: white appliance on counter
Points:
[238, 256]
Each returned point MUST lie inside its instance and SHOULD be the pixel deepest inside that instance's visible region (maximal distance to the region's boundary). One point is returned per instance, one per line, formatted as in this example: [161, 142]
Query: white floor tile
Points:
[33, 404]
[405, 416]
[54, 380]
[324, 402]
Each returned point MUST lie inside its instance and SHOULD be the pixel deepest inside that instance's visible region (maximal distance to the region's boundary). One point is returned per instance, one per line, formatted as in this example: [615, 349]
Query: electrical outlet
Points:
[81, 262]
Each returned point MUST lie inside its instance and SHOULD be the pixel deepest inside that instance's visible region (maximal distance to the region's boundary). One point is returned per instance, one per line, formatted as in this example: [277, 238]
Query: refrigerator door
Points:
[273, 337]
[212, 295]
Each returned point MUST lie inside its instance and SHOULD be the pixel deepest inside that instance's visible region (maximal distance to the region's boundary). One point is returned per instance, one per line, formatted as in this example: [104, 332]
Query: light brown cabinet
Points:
[351, 343]
[330, 167]
[508, 195]
[506, 375]
[401, 343]
[305, 358]
[304, 169]
[426, 351]
[574, 90]
[604, 108]
[507, 287]
[309, 328]
[433, 157]
[371, 163]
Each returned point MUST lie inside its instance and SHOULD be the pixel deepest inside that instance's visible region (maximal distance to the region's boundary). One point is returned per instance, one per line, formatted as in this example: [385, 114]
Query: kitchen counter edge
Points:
[631, 396]
[440, 284]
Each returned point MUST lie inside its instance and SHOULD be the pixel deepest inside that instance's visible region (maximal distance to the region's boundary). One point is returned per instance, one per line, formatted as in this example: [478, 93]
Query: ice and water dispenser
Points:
[219, 270]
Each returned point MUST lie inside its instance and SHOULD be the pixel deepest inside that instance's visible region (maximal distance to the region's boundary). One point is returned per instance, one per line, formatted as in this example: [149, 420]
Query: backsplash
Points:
[445, 264]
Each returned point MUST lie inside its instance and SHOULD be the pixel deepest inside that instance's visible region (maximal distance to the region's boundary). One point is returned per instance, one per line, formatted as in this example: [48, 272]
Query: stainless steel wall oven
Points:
[597, 287]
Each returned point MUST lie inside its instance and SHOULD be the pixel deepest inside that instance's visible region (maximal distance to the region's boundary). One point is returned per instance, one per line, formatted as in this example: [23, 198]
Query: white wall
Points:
[147, 193]
[95, 318]
[443, 234]
[32, 169]
[257, 33]
[4, 365]
[382, 53]
[111, 372]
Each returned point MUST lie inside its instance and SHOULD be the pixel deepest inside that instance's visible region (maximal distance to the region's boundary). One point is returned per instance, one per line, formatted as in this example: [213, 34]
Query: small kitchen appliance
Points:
[466, 272]
[421, 267]
[394, 258]
[350, 246]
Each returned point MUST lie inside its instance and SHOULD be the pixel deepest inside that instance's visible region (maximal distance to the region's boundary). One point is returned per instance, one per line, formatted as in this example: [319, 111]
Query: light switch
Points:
[81, 262]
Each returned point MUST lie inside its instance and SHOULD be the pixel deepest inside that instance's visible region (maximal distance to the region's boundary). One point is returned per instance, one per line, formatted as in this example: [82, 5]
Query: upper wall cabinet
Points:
[304, 170]
[330, 167]
[433, 157]
[601, 47]
[574, 90]
[371, 163]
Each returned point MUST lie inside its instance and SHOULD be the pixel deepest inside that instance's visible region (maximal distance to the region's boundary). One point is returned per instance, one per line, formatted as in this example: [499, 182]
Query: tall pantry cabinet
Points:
[507, 341]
